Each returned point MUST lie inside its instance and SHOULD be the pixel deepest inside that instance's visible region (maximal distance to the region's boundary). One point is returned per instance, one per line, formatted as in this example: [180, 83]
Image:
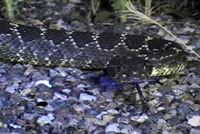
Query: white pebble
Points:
[194, 121]
[140, 119]
[45, 120]
[44, 82]
[87, 97]
[113, 128]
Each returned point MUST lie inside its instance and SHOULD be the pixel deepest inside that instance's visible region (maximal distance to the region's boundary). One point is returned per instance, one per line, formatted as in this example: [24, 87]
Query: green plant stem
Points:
[9, 7]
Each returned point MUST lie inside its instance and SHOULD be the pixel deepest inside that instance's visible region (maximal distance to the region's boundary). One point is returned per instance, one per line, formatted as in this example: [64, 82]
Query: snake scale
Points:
[122, 56]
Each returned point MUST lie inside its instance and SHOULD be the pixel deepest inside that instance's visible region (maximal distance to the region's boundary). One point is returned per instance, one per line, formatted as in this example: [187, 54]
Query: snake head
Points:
[124, 69]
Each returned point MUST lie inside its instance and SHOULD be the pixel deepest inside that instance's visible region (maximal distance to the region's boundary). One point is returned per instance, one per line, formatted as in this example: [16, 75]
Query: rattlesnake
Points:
[122, 56]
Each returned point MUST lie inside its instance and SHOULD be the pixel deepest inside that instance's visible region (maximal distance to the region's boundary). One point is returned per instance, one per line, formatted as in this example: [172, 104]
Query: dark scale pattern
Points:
[162, 48]
[8, 51]
[57, 36]
[5, 27]
[82, 38]
[122, 57]
[161, 44]
[28, 34]
[108, 40]
[128, 67]
[135, 41]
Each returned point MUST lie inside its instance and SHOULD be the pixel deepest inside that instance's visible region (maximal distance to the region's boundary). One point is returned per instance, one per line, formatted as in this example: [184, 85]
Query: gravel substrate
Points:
[38, 100]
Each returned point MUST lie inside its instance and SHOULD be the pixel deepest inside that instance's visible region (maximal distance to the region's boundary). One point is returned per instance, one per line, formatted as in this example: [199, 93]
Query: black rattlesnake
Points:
[122, 56]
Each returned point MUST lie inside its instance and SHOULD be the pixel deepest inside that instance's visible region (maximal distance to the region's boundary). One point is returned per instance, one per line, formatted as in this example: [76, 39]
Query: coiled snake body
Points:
[122, 56]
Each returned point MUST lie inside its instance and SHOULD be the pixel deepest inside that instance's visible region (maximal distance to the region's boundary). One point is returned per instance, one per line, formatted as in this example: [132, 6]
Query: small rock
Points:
[188, 29]
[59, 96]
[67, 91]
[58, 72]
[29, 70]
[168, 37]
[197, 43]
[1, 124]
[173, 112]
[44, 82]
[178, 89]
[197, 98]
[184, 39]
[15, 126]
[100, 115]
[26, 91]
[49, 108]
[42, 104]
[81, 86]
[12, 89]
[140, 119]
[135, 132]
[184, 109]
[71, 79]
[45, 120]
[194, 121]
[160, 108]
[194, 85]
[114, 127]
[153, 102]
[123, 120]
[194, 131]
[79, 108]
[108, 118]
[113, 111]
[128, 129]
[196, 107]
[161, 32]
[161, 124]
[28, 116]
[87, 97]
[98, 121]
[2, 71]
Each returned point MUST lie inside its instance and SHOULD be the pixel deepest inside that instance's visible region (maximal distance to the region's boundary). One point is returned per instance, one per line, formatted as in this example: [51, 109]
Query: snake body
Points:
[123, 56]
